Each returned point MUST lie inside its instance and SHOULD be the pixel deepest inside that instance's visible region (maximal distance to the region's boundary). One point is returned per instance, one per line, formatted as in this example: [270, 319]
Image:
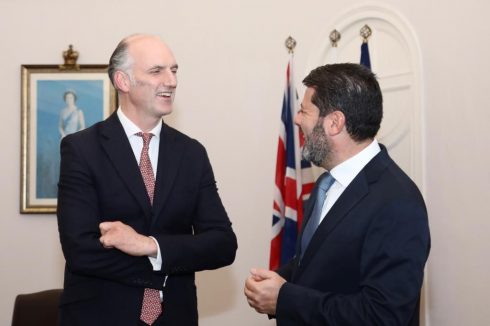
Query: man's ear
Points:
[121, 81]
[334, 123]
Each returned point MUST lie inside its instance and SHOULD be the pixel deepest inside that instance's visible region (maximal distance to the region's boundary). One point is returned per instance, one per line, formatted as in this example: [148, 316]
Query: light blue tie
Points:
[323, 184]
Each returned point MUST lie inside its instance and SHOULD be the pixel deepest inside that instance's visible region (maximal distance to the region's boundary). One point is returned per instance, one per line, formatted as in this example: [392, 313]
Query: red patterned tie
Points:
[152, 307]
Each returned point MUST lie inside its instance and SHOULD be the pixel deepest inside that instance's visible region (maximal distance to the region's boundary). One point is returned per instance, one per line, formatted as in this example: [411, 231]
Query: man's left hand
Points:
[123, 237]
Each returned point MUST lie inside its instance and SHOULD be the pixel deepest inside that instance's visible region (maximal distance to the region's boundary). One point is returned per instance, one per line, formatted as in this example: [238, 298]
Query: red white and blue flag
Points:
[293, 182]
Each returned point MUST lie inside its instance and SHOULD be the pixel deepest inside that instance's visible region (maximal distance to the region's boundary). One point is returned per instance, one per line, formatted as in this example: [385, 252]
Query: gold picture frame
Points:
[55, 101]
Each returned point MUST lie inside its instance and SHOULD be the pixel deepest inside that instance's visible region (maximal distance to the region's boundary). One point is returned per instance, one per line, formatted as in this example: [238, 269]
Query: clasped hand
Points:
[262, 289]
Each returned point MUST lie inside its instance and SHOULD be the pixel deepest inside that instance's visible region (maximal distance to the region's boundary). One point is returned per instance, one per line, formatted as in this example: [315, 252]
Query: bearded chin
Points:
[310, 155]
[316, 148]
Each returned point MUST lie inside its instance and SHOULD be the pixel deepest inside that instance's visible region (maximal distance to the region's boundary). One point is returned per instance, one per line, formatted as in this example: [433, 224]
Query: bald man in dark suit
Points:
[138, 208]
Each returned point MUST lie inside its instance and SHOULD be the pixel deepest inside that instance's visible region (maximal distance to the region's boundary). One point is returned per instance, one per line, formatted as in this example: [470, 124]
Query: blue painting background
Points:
[90, 99]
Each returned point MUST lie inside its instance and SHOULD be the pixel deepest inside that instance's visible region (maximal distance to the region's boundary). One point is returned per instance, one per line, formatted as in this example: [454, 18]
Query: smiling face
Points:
[317, 147]
[309, 114]
[152, 77]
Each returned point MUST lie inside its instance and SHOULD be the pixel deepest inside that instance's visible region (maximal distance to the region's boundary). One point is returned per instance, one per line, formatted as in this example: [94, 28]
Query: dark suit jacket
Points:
[100, 181]
[365, 263]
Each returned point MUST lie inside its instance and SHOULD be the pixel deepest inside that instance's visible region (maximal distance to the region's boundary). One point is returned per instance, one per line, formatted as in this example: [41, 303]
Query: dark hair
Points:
[351, 89]
[72, 92]
[119, 60]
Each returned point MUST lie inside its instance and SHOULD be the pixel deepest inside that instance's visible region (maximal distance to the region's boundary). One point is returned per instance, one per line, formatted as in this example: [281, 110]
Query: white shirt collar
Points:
[131, 129]
[346, 171]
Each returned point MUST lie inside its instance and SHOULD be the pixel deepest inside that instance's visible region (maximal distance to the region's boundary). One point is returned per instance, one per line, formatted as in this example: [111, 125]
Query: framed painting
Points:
[55, 103]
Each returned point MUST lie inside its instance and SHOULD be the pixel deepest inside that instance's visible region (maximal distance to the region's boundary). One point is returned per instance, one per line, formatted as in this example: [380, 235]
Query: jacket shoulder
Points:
[179, 137]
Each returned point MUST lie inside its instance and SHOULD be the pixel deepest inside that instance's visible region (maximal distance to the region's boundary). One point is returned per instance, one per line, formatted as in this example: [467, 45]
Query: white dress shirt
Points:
[345, 172]
[137, 145]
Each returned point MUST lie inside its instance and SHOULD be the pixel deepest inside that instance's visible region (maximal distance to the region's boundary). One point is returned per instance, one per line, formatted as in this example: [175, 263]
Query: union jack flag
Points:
[292, 185]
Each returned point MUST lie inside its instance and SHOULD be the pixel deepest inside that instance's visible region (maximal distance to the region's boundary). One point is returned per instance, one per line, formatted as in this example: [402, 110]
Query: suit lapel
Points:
[115, 143]
[169, 157]
[353, 194]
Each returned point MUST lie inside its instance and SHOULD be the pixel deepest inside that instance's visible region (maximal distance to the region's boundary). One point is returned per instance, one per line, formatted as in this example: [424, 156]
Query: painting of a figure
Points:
[71, 117]
[64, 107]
[55, 104]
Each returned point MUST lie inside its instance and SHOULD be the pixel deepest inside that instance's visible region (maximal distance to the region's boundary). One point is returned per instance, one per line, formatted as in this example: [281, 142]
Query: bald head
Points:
[131, 47]
[144, 72]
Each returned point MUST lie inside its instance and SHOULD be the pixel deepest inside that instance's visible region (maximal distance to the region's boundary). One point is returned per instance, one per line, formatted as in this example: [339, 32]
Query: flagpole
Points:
[290, 44]
[365, 33]
[334, 40]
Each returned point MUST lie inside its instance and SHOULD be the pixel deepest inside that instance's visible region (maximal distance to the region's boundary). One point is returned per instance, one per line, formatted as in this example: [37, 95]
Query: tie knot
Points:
[146, 137]
[325, 181]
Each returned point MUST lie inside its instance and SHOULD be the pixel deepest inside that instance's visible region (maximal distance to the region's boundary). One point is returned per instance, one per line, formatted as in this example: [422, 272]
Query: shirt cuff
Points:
[156, 262]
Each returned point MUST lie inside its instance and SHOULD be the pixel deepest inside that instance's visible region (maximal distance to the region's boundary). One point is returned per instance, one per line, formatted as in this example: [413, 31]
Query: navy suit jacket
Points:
[365, 263]
[100, 181]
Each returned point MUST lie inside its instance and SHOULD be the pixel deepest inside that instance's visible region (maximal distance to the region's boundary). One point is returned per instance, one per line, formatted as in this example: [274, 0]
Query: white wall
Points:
[232, 63]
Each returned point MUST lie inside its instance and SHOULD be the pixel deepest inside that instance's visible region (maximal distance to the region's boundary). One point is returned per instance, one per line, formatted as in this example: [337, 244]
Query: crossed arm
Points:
[123, 237]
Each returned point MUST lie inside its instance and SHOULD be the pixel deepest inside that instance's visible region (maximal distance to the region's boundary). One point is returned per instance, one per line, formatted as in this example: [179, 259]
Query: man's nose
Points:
[297, 120]
[170, 79]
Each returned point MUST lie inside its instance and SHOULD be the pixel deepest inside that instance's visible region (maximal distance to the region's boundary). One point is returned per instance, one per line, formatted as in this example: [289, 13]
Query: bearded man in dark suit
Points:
[365, 239]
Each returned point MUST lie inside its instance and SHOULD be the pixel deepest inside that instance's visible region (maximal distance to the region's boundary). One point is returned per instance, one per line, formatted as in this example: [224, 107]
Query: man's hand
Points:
[123, 237]
[262, 289]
